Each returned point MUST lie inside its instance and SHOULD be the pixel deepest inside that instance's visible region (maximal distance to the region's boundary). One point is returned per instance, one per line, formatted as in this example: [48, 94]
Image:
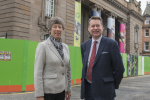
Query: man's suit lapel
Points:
[88, 46]
[51, 46]
[100, 49]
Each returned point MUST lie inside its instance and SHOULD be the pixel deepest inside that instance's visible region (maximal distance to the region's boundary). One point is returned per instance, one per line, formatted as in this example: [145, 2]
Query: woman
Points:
[52, 72]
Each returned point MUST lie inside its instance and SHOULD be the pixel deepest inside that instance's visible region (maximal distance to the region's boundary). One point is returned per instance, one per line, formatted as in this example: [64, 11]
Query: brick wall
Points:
[145, 39]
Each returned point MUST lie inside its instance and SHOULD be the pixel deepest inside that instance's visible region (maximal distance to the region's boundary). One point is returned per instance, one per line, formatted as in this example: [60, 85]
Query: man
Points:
[102, 64]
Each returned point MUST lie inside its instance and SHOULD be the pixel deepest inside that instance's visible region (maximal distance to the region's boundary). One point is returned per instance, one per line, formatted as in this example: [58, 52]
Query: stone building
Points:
[27, 19]
[146, 31]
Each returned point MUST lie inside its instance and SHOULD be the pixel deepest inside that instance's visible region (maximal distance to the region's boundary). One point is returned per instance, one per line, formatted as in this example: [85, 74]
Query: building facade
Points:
[146, 31]
[28, 19]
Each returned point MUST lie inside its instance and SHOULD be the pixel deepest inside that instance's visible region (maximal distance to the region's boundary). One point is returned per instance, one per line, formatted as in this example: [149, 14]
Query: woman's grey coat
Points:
[51, 73]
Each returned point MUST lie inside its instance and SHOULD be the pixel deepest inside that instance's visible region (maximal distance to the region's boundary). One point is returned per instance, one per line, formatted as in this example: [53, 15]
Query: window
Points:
[146, 46]
[147, 21]
[46, 36]
[50, 8]
[146, 33]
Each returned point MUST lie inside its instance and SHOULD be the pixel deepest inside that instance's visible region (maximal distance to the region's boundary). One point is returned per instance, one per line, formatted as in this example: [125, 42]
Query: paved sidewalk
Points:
[135, 88]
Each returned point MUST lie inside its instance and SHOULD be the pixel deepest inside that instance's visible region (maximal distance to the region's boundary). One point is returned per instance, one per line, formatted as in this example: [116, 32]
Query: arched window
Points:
[136, 29]
[136, 37]
[47, 12]
[136, 44]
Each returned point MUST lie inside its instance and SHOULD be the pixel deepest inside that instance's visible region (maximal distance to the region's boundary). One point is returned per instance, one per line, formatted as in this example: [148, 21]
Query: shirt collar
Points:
[98, 40]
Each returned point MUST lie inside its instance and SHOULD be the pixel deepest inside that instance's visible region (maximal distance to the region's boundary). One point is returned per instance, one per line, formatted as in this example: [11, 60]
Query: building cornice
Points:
[145, 51]
[122, 8]
[118, 5]
[135, 14]
[146, 15]
[126, 10]
[137, 5]
[145, 26]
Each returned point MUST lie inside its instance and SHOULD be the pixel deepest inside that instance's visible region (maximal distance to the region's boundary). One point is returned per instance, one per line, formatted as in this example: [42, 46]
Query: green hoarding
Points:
[72, 61]
[78, 63]
[30, 65]
[11, 72]
[139, 65]
[146, 65]
[124, 59]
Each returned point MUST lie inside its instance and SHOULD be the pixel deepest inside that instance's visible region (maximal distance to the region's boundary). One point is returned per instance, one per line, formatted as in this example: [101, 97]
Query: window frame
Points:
[50, 9]
[46, 36]
[147, 21]
[145, 46]
[145, 33]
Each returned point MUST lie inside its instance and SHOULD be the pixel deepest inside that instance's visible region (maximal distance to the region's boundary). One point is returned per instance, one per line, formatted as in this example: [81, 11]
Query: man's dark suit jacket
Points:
[107, 71]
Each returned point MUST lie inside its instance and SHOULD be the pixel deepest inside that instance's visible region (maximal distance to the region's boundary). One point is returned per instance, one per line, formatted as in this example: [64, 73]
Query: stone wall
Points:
[70, 21]
[60, 10]
[15, 18]
[134, 5]
[38, 16]
[123, 2]
[132, 22]
[35, 32]
[20, 18]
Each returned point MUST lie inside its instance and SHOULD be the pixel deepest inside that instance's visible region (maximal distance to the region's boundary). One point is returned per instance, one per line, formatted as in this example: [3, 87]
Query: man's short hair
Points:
[96, 18]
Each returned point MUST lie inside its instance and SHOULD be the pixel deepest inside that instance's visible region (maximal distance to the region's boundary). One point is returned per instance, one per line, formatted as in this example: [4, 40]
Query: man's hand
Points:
[68, 95]
[40, 98]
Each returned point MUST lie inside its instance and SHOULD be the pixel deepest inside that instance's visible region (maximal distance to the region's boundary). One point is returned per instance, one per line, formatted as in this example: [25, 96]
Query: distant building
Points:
[27, 19]
[146, 31]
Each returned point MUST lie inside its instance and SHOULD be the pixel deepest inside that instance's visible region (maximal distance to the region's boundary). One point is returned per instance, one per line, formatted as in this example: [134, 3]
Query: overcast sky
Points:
[143, 4]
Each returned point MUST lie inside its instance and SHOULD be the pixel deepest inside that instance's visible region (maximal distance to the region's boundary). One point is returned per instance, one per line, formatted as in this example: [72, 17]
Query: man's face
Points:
[56, 31]
[95, 29]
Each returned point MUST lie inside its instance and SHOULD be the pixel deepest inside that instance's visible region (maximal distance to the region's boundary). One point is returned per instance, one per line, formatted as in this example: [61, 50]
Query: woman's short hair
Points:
[55, 20]
[96, 18]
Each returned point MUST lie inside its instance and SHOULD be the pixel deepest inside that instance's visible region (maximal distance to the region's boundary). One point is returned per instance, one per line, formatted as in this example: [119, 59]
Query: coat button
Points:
[62, 73]
[62, 65]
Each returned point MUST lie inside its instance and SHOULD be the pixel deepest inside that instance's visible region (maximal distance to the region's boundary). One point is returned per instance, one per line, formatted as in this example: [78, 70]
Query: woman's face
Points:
[56, 31]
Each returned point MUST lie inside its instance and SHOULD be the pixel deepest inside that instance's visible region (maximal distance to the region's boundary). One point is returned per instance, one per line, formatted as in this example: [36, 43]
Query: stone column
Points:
[99, 9]
[111, 25]
[122, 35]
[78, 1]
[96, 10]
